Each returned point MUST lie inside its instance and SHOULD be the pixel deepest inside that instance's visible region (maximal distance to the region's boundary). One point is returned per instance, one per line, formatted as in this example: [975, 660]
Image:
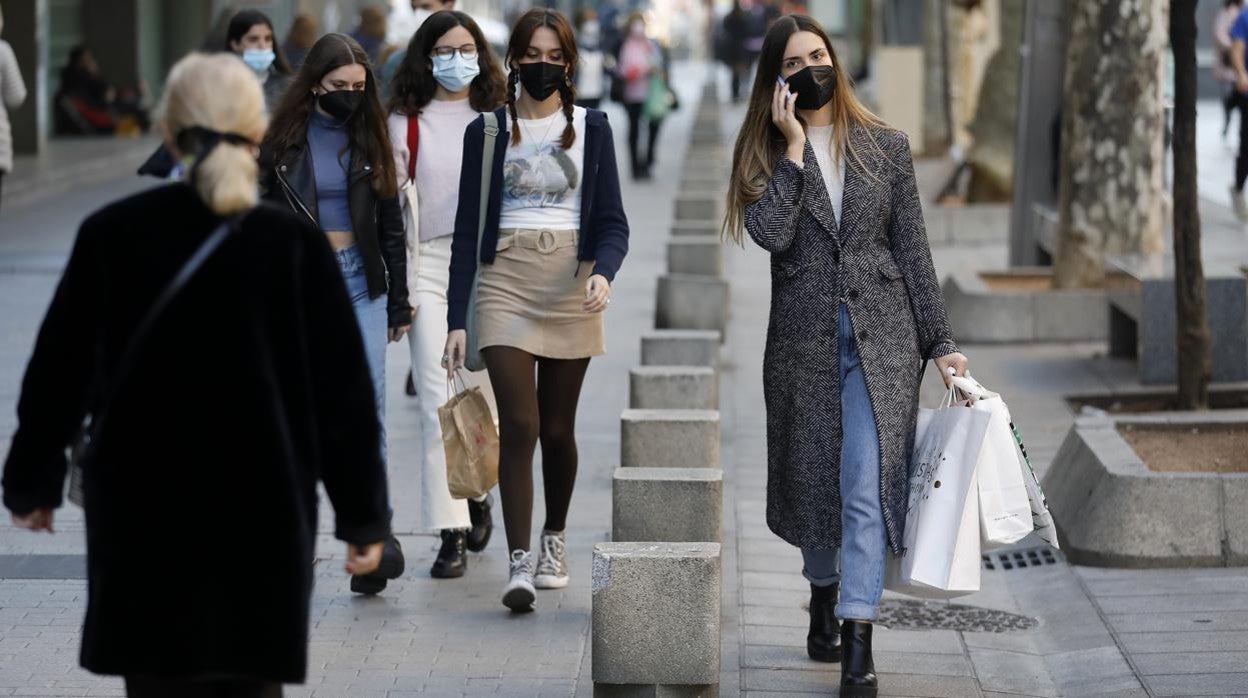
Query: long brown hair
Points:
[367, 134]
[760, 142]
[413, 87]
[521, 35]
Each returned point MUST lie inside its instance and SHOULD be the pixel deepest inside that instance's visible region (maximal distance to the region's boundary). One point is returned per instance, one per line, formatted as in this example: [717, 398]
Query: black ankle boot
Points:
[391, 567]
[823, 643]
[857, 668]
[452, 560]
[482, 523]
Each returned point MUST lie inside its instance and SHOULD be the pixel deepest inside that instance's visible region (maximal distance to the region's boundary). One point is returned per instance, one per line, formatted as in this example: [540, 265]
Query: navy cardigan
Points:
[604, 227]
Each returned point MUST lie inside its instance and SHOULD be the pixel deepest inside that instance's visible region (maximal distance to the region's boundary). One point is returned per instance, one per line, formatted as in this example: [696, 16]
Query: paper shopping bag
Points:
[1004, 506]
[940, 543]
[470, 440]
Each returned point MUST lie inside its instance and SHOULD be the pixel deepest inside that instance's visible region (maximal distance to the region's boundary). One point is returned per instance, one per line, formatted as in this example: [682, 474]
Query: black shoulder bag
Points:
[83, 448]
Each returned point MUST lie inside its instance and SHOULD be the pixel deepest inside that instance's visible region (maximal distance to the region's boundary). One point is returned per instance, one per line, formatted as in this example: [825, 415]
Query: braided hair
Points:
[521, 35]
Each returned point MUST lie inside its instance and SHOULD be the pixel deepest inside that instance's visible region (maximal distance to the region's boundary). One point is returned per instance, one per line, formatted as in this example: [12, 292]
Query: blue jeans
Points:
[371, 316]
[864, 541]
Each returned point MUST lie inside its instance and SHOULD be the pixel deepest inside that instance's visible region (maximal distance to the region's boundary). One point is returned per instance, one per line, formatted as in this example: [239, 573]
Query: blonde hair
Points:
[759, 142]
[220, 93]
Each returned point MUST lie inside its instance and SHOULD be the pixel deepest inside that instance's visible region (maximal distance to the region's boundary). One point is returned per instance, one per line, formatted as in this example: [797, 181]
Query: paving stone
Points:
[1211, 685]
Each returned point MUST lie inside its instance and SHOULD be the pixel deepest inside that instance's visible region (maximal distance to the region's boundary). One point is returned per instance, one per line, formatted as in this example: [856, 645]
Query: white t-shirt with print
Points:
[542, 182]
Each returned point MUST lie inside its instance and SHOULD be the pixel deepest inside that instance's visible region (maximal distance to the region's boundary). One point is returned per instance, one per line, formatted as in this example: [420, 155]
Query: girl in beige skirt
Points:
[555, 235]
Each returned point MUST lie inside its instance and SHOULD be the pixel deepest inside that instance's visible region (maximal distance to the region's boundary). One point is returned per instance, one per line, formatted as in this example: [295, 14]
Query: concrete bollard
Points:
[697, 207]
[691, 302]
[671, 505]
[682, 229]
[656, 612]
[669, 439]
[680, 348]
[695, 255]
[673, 388]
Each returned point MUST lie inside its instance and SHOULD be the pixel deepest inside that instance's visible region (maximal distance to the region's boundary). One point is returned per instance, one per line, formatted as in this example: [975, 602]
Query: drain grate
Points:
[1021, 559]
[905, 614]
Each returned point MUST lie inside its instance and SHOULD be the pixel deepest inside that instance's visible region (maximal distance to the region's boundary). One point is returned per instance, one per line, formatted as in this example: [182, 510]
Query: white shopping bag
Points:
[1004, 507]
[940, 557]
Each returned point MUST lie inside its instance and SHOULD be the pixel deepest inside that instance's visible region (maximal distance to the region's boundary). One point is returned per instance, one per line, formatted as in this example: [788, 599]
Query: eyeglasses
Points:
[467, 51]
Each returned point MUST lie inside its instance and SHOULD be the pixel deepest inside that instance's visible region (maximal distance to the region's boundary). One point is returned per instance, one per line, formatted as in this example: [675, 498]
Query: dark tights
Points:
[528, 413]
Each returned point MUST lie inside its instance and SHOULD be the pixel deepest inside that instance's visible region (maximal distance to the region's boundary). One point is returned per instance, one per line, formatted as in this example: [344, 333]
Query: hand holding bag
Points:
[472, 350]
[941, 554]
[1004, 508]
[470, 440]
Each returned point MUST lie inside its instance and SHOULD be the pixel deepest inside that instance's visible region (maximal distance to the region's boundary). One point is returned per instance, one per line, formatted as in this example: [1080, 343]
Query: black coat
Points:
[377, 223]
[201, 500]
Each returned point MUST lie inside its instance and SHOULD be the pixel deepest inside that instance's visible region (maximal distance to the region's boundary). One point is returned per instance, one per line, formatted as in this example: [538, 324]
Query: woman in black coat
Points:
[327, 158]
[251, 385]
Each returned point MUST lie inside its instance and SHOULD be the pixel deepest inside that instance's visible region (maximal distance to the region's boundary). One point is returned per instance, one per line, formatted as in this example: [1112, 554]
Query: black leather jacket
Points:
[377, 223]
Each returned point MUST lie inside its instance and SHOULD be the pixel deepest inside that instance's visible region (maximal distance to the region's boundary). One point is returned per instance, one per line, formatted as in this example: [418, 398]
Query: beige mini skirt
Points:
[530, 297]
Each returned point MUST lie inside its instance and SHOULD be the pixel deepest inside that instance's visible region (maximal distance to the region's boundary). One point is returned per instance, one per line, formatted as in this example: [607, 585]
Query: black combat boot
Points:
[823, 643]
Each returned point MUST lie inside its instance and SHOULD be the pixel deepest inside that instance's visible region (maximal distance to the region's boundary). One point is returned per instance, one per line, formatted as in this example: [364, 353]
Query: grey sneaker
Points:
[552, 562]
[1239, 204]
[518, 595]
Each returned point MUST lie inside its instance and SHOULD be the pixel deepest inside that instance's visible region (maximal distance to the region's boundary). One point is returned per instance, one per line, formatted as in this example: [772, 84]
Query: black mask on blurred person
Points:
[341, 104]
[814, 85]
[541, 79]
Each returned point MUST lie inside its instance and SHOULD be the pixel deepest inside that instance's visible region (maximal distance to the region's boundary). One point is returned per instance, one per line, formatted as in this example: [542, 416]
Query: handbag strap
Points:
[413, 144]
[487, 172]
[127, 362]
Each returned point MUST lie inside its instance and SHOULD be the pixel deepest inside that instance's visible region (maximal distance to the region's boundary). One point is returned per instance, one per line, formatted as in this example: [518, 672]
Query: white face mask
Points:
[455, 72]
[637, 29]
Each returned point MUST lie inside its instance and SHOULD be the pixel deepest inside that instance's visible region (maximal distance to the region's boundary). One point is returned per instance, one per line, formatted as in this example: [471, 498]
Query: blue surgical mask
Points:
[259, 59]
[455, 72]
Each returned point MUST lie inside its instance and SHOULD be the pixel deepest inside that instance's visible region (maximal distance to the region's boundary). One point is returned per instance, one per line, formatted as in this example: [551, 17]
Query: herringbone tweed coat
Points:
[876, 261]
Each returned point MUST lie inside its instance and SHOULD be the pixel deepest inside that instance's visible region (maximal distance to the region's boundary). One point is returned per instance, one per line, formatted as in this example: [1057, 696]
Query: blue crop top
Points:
[327, 139]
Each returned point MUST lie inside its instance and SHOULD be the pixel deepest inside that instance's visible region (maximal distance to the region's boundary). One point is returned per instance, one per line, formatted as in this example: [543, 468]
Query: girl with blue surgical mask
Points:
[447, 78]
[250, 36]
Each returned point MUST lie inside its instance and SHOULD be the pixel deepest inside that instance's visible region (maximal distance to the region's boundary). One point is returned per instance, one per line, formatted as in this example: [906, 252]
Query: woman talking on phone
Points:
[856, 310]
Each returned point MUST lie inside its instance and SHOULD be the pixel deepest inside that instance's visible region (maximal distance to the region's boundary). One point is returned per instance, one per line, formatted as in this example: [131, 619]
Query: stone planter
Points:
[1112, 510]
[1019, 305]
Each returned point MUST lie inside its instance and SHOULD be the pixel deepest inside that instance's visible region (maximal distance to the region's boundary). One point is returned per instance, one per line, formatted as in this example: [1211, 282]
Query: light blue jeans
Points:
[864, 543]
[371, 316]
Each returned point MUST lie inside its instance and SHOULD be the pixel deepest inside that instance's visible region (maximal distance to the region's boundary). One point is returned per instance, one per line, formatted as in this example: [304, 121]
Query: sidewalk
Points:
[1043, 630]
[71, 163]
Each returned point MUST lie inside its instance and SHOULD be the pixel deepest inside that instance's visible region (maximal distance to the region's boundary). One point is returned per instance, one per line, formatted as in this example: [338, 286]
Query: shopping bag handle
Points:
[972, 388]
[452, 387]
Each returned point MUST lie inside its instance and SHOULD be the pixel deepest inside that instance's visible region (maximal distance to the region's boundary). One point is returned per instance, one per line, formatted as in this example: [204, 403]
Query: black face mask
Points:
[814, 86]
[542, 79]
[341, 104]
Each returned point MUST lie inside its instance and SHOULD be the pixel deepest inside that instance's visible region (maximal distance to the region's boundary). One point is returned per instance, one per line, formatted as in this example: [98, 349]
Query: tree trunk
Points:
[1110, 193]
[1192, 330]
[936, 133]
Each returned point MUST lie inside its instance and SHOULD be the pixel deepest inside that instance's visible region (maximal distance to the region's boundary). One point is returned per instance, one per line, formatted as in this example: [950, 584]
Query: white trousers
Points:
[427, 340]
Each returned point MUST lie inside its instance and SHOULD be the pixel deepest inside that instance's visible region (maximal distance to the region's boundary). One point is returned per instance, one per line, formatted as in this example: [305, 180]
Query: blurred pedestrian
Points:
[304, 32]
[1239, 63]
[841, 410]
[553, 213]
[327, 157]
[371, 33]
[83, 104]
[734, 33]
[1223, 71]
[591, 78]
[449, 76]
[250, 37]
[204, 455]
[423, 9]
[641, 68]
[12, 94]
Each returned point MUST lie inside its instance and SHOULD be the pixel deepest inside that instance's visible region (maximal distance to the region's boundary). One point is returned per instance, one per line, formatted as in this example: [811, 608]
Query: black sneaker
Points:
[410, 387]
[452, 561]
[482, 523]
[390, 567]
